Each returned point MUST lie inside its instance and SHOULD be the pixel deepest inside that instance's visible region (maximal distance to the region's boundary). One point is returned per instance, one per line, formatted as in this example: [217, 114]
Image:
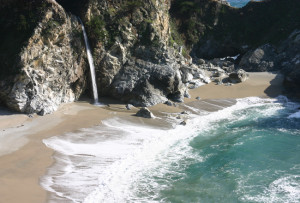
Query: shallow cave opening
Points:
[75, 7]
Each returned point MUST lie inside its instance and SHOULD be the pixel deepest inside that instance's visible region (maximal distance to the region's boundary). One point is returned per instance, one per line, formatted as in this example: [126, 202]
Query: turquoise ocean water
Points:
[248, 152]
[238, 3]
[251, 156]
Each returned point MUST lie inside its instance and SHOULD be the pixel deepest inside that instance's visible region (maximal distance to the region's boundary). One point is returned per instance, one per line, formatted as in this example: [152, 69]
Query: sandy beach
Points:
[24, 158]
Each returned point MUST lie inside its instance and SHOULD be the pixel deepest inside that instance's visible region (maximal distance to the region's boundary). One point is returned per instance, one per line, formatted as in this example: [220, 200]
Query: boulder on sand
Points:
[238, 76]
[145, 113]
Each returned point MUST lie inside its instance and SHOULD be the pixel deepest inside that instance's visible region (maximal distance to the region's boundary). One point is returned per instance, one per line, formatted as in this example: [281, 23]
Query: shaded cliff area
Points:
[211, 29]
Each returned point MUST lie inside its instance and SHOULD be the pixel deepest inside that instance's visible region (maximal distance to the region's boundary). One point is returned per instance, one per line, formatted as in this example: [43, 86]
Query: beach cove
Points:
[220, 83]
[26, 159]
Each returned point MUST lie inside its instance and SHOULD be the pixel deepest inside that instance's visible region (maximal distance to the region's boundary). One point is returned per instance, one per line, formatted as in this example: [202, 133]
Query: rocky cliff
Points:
[133, 60]
[284, 57]
[145, 52]
[263, 33]
[212, 29]
[48, 67]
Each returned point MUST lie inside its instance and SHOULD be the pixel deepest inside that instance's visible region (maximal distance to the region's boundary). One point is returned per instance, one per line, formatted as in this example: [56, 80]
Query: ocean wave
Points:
[116, 162]
[295, 115]
[284, 189]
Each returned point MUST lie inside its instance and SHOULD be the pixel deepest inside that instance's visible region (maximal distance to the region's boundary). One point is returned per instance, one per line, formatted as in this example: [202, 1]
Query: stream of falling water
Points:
[91, 63]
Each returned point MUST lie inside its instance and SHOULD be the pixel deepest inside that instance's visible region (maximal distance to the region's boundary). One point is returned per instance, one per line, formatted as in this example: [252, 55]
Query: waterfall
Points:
[91, 62]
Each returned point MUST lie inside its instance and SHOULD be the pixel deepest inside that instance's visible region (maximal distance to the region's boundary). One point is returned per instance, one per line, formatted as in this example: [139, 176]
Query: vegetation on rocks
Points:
[193, 18]
[213, 29]
[46, 65]
[130, 6]
[18, 19]
[141, 48]
[96, 28]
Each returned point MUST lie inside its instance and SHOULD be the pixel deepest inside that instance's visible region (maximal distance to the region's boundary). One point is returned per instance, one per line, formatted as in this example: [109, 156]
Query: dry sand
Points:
[24, 158]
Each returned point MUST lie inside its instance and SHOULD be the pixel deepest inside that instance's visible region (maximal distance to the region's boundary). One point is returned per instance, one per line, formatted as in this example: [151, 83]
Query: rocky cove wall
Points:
[130, 41]
[264, 34]
[51, 66]
[140, 49]
[212, 29]
[133, 58]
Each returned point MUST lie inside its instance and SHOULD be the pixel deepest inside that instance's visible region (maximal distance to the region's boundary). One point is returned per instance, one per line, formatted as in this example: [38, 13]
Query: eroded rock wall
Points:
[140, 48]
[52, 67]
[134, 60]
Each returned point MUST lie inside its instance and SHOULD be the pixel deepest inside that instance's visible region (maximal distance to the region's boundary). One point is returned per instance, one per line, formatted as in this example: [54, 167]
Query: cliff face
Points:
[134, 59]
[264, 33]
[131, 51]
[213, 30]
[140, 48]
[284, 57]
[49, 67]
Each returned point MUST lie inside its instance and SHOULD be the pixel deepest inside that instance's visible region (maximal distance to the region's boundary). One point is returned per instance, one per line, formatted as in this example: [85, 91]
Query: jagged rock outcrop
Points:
[284, 57]
[290, 63]
[140, 48]
[289, 52]
[238, 76]
[134, 59]
[145, 113]
[144, 83]
[51, 65]
[264, 58]
[213, 30]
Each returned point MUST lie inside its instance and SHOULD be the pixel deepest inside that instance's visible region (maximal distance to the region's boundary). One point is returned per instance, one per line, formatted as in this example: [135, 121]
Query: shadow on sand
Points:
[4, 111]
[276, 86]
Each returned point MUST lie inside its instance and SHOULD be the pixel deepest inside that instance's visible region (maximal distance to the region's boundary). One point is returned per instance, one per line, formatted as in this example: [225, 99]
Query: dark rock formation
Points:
[183, 123]
[289, 50]
[264, 58]
[238, 76]
[213, 30]
[284, 57]
[290, 63]
[141, 54]
[145, 84]
[145, 113]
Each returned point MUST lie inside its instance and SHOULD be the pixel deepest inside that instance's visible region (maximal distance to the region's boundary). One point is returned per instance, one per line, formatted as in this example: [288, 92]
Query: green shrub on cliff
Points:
[145, 38]
[96, 28]
[193, 18]
[175, 36]
[132, 5]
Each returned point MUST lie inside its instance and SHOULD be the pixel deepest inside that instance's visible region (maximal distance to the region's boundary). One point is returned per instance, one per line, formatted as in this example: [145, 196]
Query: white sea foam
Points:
[230, 57]
[114, 162]
[284, 189]
[295, 115]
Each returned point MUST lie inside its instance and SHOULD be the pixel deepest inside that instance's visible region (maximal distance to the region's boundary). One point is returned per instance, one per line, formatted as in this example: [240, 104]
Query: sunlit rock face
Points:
[51, 65]
[145, 51]
[134, 59]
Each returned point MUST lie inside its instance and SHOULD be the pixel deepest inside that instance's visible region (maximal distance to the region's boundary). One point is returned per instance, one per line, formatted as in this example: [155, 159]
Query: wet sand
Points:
[24, 158]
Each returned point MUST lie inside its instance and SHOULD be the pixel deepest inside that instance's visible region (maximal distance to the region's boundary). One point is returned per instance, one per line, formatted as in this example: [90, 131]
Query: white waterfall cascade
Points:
[91, 63]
